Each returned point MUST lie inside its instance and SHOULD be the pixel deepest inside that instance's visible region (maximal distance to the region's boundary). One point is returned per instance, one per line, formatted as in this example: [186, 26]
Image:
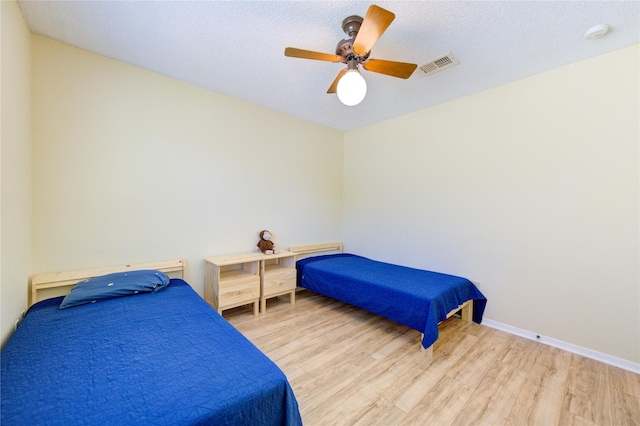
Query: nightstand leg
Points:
[255, 308]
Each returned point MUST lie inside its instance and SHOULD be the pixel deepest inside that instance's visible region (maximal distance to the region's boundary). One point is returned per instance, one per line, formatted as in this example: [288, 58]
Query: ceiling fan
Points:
[354, 50]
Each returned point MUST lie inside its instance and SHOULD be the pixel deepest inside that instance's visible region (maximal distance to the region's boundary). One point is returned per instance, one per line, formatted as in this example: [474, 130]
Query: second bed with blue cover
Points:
[413, 297]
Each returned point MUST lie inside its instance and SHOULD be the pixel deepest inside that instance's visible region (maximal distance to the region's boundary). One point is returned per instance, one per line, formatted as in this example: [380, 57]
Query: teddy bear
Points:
[265, 244]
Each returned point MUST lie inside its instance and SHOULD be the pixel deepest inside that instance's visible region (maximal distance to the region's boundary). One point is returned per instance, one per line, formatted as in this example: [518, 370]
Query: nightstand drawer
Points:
[279, 282]
[238, 290]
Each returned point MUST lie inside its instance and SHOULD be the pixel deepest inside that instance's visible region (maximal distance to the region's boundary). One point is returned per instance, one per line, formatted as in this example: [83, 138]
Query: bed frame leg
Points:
[467, 311]
[428, 352]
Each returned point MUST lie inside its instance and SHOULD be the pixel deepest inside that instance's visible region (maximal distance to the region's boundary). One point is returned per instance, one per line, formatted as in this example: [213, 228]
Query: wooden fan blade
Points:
[334, 85]
[376, 21]
[395, 69]
[309, 54]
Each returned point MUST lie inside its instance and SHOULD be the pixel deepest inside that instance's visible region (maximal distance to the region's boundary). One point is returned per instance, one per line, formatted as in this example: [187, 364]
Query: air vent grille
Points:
[438, 64]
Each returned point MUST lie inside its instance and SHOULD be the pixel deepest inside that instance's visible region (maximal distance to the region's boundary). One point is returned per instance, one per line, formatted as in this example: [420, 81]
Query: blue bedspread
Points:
[163, 358]
[413, 297]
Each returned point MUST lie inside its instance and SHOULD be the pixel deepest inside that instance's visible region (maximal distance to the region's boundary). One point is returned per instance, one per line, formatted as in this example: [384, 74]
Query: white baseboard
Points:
[634, 367]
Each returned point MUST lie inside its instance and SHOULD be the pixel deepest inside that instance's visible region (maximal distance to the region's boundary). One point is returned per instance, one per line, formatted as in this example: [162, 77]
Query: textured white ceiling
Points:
[237, 47]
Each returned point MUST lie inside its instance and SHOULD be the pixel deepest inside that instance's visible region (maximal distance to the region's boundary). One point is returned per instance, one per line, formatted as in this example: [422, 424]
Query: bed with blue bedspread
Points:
[163, 358]
[413, 297]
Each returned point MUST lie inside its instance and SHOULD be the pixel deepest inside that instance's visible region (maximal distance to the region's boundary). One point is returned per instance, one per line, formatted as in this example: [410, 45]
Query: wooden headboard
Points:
[70, 278]
[316, 248]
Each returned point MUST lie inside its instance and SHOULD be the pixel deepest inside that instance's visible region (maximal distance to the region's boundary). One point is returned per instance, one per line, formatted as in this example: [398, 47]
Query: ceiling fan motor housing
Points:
[345, 50]
[351, 26]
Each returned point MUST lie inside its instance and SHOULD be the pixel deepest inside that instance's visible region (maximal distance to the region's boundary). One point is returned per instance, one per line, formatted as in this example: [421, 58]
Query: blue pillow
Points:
[115, 285]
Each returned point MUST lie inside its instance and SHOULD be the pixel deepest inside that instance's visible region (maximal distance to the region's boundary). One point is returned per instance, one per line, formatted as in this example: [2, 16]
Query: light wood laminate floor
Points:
[350, 367]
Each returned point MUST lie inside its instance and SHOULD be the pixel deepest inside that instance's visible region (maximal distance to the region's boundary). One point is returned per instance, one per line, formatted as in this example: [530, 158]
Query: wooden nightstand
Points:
[232, 281]
[240, 279]
[278, 273]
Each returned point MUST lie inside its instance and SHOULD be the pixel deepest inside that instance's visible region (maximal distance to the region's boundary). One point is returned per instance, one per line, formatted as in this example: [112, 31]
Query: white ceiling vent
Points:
[437, 64]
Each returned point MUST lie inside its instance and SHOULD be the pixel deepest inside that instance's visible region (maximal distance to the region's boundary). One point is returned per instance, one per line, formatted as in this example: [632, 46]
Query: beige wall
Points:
[15, 154]
[530, 189]
[133, 166]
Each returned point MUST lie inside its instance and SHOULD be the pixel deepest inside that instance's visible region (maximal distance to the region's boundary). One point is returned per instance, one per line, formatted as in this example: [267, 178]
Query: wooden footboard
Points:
[467, 311]
[70, 278]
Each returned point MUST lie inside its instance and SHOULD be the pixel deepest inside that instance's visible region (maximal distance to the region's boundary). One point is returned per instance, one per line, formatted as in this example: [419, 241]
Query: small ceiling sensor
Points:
[596, 32]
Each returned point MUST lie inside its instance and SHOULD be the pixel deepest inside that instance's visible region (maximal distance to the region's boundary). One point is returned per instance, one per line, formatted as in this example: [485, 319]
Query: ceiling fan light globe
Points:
[352, 88]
